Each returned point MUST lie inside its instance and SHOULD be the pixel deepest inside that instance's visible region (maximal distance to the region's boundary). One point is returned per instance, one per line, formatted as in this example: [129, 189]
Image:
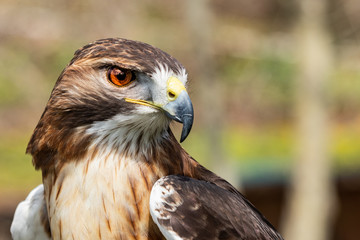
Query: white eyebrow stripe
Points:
[163, 72]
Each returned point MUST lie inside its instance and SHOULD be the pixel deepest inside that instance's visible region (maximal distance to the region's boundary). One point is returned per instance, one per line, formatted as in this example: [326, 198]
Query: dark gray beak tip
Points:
[187, 125]
[181, 110]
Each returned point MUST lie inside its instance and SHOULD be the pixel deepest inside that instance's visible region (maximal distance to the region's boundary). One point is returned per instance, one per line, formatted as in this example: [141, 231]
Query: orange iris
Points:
[120, 77]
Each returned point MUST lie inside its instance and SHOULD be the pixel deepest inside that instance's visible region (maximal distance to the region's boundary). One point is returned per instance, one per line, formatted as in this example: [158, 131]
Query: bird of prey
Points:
[112, 168]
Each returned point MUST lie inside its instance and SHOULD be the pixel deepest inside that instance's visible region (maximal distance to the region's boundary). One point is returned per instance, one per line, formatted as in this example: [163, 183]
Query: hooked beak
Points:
[178, 108]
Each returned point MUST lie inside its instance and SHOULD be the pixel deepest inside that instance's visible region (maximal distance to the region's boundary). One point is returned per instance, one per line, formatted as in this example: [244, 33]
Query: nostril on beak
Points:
[171, 95]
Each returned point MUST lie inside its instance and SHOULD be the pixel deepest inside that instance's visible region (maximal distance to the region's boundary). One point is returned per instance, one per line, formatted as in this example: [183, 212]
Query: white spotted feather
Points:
[27, 224]
[159, 207]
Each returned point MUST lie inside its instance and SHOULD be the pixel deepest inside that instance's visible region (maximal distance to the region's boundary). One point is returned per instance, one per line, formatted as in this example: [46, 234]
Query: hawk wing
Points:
[187, 208]
[30, 220]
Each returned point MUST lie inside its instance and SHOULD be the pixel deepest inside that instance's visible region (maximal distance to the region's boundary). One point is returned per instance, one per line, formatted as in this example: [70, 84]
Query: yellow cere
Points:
[174, 88]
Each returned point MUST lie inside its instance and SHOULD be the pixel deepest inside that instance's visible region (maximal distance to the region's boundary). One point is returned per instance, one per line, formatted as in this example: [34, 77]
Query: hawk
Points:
[112, 168]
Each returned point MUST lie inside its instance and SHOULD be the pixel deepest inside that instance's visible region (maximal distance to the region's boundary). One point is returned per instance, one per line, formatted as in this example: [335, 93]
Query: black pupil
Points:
[121, 76]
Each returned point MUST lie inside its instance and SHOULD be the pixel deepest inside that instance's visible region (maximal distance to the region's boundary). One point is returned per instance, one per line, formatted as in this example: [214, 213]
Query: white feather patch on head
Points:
[159, 206]
[160, 77]
[163, 72]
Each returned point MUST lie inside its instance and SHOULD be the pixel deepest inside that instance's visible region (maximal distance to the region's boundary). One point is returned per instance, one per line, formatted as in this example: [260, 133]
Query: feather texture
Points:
[100, 156]
[30, 219]
[187, 208]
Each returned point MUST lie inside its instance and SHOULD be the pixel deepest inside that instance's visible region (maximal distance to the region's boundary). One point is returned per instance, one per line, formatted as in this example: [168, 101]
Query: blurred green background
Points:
[250, 48]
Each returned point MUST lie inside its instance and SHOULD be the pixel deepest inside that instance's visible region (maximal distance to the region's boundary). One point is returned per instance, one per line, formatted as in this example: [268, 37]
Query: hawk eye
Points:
[120, 77]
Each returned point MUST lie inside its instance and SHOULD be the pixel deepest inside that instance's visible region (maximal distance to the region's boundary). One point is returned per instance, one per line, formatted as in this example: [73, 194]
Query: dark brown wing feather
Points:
[198, 209]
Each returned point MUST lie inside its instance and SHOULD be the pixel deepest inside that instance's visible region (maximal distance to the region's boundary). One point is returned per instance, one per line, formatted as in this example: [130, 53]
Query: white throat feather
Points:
[130, 135]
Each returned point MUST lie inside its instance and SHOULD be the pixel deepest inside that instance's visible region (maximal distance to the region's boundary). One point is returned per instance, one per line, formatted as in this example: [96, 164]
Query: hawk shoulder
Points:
[187, 208]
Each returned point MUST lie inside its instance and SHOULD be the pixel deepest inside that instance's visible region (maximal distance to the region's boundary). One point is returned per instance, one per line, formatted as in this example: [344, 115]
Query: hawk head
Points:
[114, 92]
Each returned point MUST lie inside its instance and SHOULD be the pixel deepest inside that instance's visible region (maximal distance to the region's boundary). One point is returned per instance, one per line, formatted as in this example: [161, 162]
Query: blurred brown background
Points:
[275, 86]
